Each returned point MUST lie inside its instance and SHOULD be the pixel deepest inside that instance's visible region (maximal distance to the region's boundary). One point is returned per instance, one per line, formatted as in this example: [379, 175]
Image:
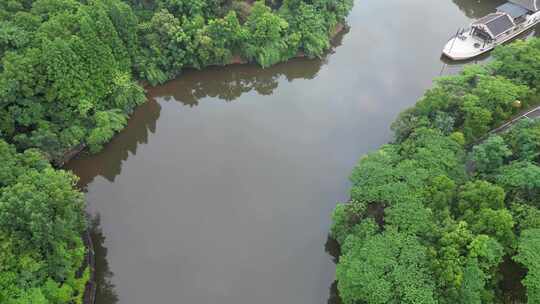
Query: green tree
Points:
[449, 260]
[524, 139]
[529, 256]
[477, 195]
[526, 216]
[477, 119]
[266, 42]
[385, 268]
[222, 37]
[521, 180]
[308, 22]
[108, 123]
[490, 155]
[498, 94]
[344, 218]
[519, 61]
[41, 222]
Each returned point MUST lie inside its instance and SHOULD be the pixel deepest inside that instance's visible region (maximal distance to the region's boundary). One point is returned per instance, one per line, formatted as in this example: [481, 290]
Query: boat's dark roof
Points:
[497, 23]
[488, 18]
[532, 5]
[512, 9]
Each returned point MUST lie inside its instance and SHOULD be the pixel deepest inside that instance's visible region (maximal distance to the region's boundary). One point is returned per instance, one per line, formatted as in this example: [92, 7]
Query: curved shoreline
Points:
[235, 60]
[89, 296]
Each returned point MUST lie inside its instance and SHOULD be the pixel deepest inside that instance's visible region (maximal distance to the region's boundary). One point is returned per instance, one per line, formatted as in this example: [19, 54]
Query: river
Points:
[221, 187]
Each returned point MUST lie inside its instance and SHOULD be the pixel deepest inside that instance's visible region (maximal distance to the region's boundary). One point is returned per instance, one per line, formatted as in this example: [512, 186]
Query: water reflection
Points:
[108, 163]
[229, 83]
[332, 248]
[105, 289]
[477, 8]
[334, 294]
[224, 83]
[229, 203]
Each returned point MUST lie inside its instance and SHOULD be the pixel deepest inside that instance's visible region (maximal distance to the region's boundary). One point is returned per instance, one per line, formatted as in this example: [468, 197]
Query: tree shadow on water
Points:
[231, 82]
[224, 83]
[478, 8]
[105, 289]
[332, 248]
[334, 298]
[228, 83]
[108, 162]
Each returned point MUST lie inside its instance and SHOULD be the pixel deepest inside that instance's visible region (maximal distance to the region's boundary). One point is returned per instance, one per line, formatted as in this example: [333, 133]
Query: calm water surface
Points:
[221, 188]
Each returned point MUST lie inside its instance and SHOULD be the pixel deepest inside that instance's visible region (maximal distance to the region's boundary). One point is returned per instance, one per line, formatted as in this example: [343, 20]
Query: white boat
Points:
[484, 34]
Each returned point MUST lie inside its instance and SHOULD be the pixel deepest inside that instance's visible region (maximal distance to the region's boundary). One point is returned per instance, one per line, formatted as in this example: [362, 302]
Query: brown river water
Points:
[220, 189]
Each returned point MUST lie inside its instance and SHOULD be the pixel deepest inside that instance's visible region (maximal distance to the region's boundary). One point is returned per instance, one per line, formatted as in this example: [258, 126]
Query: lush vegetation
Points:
[434, 215]
[65, 73]
[174, 34]
[41, 222]
[69, 72]
[66, 66]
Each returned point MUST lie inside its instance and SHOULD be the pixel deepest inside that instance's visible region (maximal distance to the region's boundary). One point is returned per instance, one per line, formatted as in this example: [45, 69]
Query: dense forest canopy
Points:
[435, 216]
[41, 223]
[70, 74]
[68, 68]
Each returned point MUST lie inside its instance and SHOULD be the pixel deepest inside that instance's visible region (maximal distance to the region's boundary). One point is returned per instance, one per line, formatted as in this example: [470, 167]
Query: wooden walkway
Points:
[534, 113]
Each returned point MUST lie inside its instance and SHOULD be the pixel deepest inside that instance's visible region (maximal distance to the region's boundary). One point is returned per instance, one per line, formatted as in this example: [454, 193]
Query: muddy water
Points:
[221, 188]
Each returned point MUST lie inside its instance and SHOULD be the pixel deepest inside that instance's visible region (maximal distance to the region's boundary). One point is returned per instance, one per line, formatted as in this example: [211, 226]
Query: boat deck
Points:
[462, 48]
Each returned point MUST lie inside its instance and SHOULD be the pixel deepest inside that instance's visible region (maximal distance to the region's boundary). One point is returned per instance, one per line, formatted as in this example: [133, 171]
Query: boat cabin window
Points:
[481, 34]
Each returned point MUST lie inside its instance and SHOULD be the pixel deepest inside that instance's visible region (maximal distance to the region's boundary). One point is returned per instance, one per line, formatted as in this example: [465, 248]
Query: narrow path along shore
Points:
[533, 113]
[90, 289]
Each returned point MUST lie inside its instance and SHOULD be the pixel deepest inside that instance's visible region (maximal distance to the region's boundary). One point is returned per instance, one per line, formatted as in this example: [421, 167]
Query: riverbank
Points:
[340, 28]
[223, 156]
[89, 297]
[72, 79]
[438, 210]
